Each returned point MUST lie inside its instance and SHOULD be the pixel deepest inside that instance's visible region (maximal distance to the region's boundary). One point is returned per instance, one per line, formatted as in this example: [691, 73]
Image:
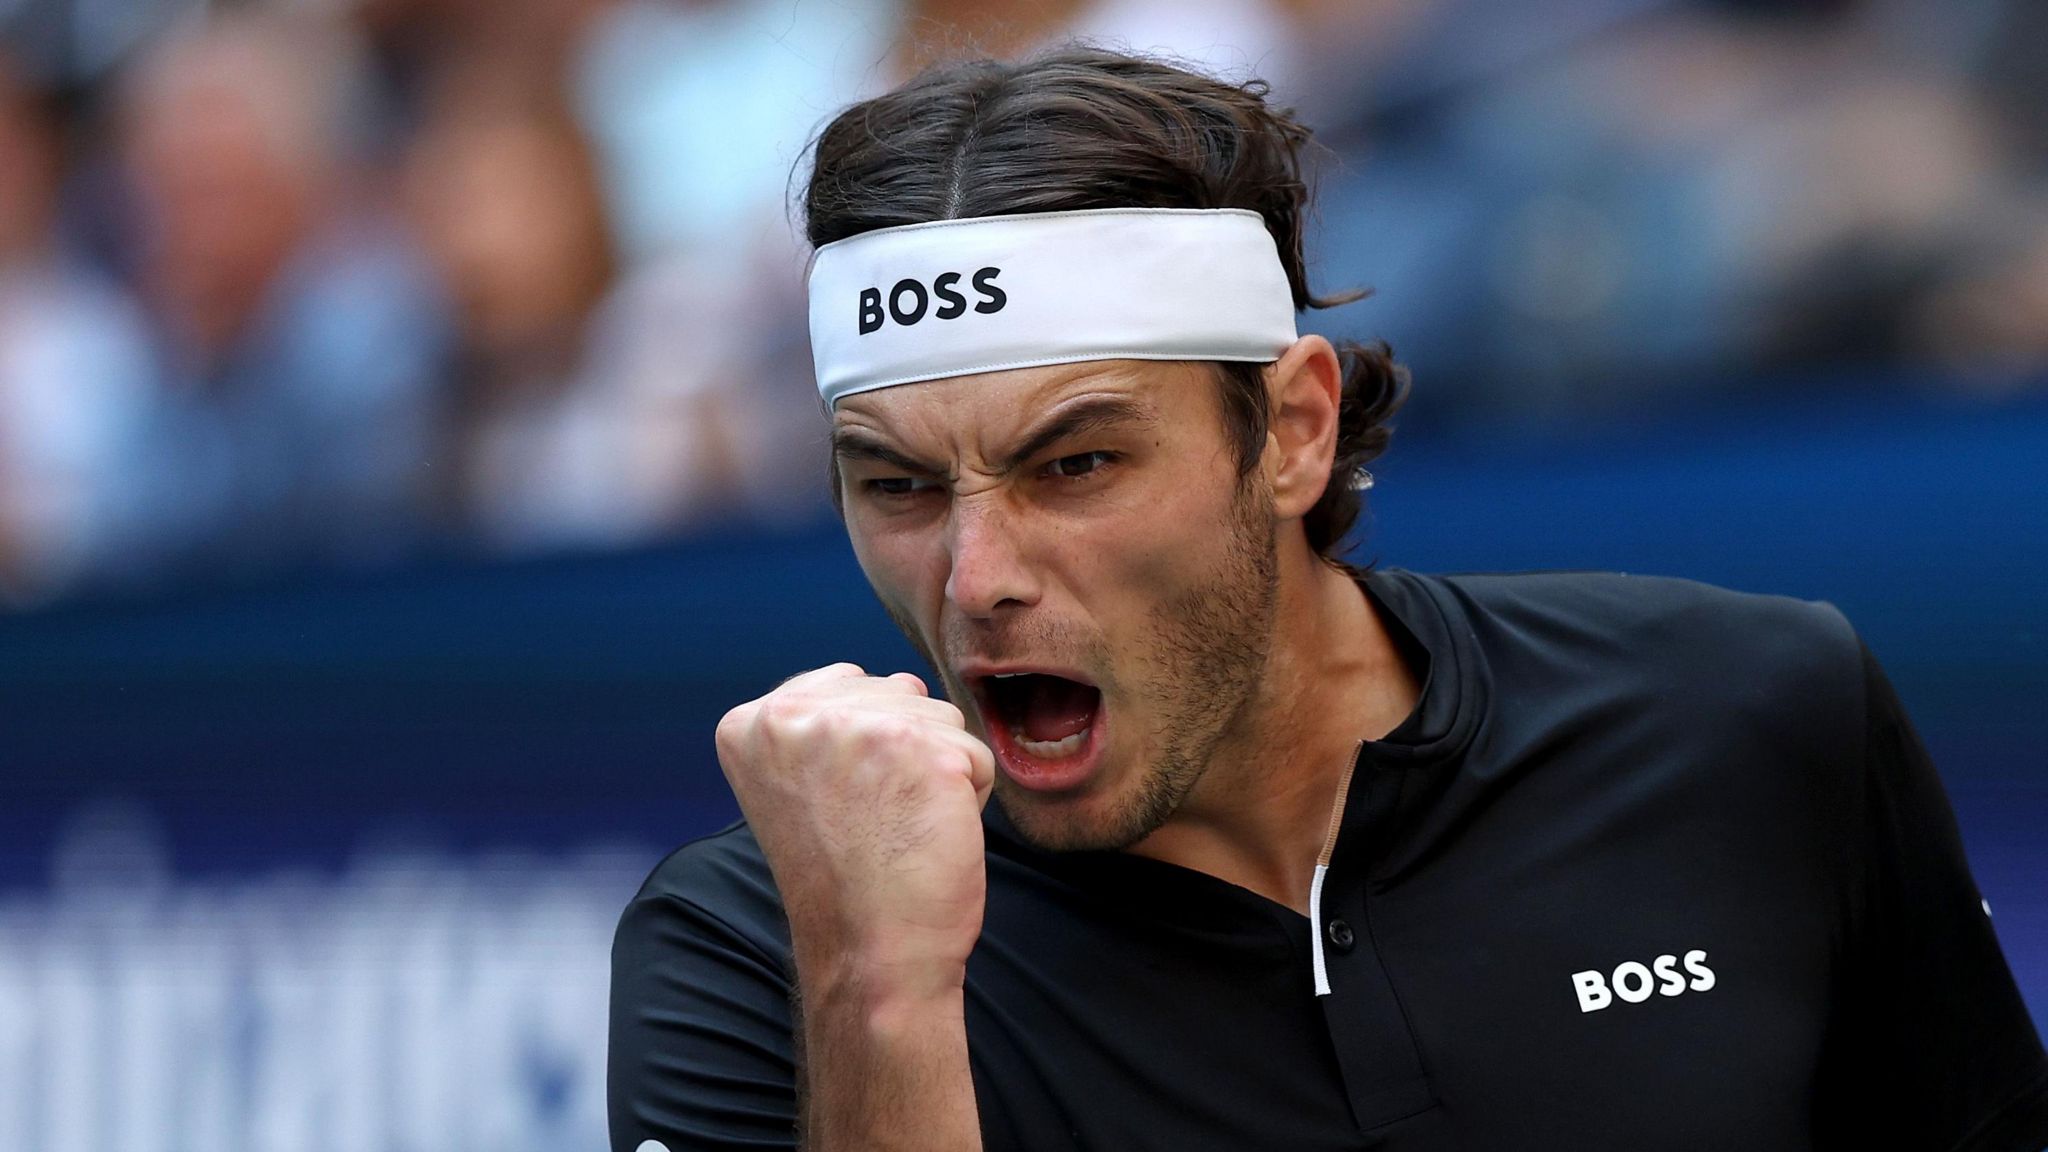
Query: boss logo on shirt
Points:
[908, 301]
[1634, 982]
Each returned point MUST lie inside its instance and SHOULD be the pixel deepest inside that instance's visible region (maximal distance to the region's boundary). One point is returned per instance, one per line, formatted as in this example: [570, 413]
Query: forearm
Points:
[866, 795]
[884, 1070]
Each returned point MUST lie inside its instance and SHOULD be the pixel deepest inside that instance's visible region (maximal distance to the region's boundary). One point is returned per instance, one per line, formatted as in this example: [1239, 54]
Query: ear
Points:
[1304, 389]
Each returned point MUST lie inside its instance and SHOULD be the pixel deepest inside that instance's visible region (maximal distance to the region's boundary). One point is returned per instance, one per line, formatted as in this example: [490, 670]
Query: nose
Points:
[990, 570]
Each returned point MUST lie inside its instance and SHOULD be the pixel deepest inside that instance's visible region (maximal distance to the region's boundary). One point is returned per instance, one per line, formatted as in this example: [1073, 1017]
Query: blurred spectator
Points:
[699, 113]
[416, 47]
[524, 273]
[72, 45]
[1988, 322]
[511, 213]
[607, 391]
[553, 444]
[1234, 39]
[73, 370]
[2016, 77]
[301, 338]
[1668, 200]
[700, 109]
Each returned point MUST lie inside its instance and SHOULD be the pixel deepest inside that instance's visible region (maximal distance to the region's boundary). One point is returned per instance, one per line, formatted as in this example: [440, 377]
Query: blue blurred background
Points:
[407, 452]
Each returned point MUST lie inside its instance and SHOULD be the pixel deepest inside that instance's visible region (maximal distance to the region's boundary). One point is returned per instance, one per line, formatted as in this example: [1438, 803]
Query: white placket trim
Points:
[1315, 884]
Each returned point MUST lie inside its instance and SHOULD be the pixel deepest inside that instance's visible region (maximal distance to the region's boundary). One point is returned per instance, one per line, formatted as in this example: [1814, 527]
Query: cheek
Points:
[1188, 514]
[1160, 550]
[905, 566]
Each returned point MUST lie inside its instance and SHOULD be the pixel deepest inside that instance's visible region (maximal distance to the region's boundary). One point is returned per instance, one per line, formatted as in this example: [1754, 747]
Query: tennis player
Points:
[1283, 854]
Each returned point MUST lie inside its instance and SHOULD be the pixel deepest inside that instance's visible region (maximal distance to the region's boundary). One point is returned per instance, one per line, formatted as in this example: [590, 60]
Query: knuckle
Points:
[734, 726]
[782, 711]
[829, 722]
[886, 733]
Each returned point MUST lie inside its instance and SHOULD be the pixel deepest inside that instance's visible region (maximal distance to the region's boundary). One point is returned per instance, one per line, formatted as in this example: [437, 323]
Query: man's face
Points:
[1073, 549]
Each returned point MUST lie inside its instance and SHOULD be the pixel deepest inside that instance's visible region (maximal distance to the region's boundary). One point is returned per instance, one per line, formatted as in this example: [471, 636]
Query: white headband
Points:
[954, 297]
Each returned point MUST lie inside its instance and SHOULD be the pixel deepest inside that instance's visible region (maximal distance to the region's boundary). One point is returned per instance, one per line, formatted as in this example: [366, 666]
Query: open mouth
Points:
[1045, 728]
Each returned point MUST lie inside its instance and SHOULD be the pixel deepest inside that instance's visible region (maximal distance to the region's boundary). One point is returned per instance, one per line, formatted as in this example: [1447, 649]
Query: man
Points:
[301, 338]
[1284, 855]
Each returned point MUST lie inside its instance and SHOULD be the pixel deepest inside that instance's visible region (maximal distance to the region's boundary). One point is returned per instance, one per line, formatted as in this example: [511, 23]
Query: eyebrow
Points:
[1087, 414]
[856, 444]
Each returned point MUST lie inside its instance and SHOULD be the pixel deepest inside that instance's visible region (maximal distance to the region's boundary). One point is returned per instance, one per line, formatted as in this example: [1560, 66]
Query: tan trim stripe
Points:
[1337, 809]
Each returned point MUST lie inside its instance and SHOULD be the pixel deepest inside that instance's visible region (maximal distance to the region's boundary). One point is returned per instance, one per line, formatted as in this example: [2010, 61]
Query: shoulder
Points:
[1681, 641]
[725, 866]
[1608, 599]
[1660, 611]
[720, 883]
[702, 1040]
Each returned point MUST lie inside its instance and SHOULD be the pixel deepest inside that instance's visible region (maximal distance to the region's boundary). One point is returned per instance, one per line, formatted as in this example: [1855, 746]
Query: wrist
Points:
[883, 1063]
[885, 983]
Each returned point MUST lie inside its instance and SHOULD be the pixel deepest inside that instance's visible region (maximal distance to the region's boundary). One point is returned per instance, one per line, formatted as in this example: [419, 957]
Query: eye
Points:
[1080, 464]
[898, 485]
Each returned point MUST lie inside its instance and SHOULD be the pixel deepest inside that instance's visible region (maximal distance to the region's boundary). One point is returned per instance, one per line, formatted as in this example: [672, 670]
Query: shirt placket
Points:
[1376, 1049]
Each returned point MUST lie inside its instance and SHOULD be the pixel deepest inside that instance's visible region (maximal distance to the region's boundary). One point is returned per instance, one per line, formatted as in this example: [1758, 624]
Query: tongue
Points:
[1056, 708]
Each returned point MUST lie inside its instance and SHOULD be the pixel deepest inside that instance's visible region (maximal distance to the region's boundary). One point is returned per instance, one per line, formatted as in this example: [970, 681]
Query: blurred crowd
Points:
[348, 282]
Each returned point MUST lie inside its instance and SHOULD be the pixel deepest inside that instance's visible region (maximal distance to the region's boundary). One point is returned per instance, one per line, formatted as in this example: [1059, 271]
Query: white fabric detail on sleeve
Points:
[1315, 927]
[957, 297]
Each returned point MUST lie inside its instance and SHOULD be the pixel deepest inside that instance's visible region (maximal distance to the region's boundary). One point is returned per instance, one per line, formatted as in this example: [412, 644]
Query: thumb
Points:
[981, 770]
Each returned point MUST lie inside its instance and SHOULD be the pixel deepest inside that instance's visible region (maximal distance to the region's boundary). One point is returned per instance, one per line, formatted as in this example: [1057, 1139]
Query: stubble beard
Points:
[1202, 669]
[1208, 652]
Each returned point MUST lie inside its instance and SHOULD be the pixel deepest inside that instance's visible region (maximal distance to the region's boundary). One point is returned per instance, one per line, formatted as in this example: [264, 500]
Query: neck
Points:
[1333, 678]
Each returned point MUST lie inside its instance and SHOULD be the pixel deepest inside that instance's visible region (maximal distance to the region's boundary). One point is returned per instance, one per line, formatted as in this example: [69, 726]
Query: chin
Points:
[1074, 823]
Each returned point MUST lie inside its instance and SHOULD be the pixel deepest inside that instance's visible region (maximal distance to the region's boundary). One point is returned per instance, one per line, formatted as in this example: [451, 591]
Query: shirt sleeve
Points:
[701, 1051]
[1929, 1047]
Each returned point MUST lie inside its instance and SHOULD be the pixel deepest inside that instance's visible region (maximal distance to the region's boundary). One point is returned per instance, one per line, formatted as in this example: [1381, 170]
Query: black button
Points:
[1341, 936]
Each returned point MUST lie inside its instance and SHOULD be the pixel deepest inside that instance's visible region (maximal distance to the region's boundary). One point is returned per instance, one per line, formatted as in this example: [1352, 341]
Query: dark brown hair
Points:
[1082, 128]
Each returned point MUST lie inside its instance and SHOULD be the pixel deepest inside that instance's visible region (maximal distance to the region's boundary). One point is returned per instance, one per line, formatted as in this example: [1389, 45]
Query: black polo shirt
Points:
[1652, 866]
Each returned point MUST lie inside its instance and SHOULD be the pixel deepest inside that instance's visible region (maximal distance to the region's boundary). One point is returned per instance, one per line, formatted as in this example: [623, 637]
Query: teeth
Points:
[1050, 749]
[1010, 675]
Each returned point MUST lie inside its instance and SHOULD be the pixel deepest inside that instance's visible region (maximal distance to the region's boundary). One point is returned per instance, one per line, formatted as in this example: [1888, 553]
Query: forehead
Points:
[990, 407]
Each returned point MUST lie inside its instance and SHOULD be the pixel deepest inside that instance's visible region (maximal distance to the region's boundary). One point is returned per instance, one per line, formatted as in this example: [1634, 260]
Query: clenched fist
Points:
[866, 795]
